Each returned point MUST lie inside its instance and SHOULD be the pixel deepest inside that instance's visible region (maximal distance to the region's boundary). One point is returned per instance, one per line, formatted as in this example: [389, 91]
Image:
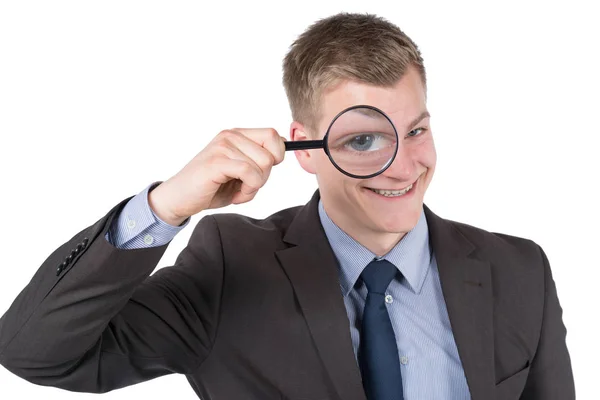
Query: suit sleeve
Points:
[550, 376]
[103, 322]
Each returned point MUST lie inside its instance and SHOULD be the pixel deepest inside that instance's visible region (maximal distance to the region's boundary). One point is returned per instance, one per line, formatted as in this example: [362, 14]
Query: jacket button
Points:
[79, 247]
[69, 258]
[60, 268]
[85, 242]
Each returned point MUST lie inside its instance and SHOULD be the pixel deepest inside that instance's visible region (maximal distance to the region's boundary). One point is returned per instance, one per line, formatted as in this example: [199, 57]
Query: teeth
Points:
[392, 193]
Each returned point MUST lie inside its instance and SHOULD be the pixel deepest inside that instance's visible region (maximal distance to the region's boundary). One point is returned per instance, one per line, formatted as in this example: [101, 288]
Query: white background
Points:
[99, 99]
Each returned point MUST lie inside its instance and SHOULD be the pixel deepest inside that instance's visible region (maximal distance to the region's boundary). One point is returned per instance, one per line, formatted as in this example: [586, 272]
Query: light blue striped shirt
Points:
[430, 365]
[429, 360]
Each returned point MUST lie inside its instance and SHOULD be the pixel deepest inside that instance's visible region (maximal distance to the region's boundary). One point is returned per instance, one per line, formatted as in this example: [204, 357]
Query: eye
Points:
[361, 142]
[415, 130]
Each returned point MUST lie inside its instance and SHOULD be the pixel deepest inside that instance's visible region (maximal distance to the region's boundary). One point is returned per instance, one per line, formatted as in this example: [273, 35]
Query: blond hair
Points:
[345, 46]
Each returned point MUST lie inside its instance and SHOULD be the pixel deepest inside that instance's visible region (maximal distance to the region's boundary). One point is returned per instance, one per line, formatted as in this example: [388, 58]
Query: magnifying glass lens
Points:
[362, 141]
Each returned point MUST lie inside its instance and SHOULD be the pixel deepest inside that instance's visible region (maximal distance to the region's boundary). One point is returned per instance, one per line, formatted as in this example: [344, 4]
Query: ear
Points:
[307, 162]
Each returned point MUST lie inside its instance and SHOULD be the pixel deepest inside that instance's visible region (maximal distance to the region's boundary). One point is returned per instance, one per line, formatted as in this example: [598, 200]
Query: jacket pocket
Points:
[512, 387]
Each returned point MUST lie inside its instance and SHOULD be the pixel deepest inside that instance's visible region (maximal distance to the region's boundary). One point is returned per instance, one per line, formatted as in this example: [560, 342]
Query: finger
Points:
[243, 196]
[258, 154]
[248, 173]
[267, 138]
[233, 152]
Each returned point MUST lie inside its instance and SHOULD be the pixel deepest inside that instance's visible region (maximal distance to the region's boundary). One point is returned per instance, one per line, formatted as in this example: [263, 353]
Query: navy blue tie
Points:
[378, 353]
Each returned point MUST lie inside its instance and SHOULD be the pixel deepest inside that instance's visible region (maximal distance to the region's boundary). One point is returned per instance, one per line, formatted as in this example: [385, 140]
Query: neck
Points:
[378, 242]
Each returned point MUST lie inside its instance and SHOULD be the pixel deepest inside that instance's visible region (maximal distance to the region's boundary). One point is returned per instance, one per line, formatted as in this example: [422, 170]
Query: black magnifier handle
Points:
[304, 145]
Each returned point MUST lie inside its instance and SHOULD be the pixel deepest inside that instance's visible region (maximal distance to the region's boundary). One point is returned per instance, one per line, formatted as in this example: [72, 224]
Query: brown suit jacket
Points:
[252, 309]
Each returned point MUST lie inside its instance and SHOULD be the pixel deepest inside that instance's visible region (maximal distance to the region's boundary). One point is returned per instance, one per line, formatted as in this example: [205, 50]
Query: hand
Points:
[229, 170]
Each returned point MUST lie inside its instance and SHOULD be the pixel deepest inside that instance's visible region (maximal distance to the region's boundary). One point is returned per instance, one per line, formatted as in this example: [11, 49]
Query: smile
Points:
[393, 193]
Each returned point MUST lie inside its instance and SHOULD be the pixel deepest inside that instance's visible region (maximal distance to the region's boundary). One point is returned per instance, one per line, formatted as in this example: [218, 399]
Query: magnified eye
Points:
[366, 142]
[362, 142]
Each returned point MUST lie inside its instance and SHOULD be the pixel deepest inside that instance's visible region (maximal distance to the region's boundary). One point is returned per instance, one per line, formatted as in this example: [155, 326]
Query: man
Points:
[363, 293]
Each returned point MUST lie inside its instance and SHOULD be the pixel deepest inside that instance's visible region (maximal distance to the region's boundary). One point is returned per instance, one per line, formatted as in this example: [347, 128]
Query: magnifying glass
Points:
[361, 142]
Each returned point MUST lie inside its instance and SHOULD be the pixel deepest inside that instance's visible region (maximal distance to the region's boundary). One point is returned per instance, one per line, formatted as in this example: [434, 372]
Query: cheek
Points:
[331, 181]
[426, 153]
[431, 158]
[323, 165]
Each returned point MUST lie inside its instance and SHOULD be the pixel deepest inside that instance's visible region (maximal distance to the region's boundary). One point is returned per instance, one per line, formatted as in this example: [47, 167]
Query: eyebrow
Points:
[421, 117]
[372, 113]
[369, 112]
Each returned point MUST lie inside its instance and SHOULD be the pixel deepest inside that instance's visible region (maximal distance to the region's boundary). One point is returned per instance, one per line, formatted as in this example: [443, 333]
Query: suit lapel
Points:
[467, 287]
[312, 269]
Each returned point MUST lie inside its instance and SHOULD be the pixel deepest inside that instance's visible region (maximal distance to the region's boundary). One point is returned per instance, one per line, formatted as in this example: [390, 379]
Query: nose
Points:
[403, 167]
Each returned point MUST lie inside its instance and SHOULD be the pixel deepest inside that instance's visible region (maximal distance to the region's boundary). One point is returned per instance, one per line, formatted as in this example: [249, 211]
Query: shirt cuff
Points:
[139, 227]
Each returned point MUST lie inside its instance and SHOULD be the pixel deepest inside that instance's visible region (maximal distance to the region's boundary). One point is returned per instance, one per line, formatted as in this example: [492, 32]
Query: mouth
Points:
[404, 192]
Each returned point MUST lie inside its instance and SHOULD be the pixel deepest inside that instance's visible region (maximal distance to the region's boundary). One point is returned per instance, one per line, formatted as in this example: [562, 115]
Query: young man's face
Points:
[377, 221]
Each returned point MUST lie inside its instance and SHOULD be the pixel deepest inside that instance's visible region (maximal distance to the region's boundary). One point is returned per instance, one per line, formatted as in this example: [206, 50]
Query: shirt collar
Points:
[412, 255]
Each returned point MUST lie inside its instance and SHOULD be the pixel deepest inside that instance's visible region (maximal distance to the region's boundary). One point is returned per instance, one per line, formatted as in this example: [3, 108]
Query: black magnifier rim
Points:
[326, 143]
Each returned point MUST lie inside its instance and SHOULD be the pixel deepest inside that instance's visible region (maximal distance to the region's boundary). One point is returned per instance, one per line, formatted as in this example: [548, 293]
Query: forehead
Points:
[401, 102]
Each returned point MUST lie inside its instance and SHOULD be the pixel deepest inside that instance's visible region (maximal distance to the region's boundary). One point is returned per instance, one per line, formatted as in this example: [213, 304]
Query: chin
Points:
[401, 223]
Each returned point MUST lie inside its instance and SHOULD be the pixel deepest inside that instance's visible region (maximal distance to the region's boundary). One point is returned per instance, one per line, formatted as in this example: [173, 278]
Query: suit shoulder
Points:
[497, 242]
[239, 225]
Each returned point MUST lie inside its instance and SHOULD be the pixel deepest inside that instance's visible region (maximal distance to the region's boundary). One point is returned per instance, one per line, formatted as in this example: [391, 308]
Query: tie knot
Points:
[377, 275]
